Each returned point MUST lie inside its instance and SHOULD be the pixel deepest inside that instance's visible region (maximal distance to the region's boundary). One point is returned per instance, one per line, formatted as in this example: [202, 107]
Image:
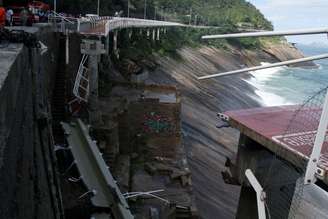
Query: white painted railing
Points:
[109, 24]
[121, 23]
[82, 81]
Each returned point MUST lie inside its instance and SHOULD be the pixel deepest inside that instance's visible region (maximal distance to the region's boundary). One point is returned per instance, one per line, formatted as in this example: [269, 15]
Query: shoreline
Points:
[207, 147]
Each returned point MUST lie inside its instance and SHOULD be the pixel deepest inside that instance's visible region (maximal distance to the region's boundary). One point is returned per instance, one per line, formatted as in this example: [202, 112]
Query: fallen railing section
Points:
[94, 171]
[81, 84]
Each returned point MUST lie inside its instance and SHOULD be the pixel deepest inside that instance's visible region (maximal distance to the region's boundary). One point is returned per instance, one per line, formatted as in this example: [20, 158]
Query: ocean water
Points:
[286, 86]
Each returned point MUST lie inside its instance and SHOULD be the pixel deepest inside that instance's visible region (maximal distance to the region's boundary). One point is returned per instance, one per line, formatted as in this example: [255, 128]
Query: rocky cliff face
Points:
[285, 51]
[207, 146]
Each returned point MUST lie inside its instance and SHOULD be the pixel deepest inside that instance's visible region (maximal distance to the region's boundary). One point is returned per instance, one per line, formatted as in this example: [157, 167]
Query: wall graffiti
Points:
[155, 124]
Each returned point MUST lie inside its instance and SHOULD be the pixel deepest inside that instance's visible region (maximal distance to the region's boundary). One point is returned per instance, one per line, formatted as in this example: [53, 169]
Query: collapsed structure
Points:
[53, 173]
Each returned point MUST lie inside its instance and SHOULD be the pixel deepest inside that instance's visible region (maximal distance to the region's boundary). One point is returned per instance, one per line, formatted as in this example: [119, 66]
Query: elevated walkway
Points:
[102, 26]
[268, 126]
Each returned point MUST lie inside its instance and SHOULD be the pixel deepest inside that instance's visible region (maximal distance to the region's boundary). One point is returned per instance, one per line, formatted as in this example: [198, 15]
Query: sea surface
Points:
[286, 86]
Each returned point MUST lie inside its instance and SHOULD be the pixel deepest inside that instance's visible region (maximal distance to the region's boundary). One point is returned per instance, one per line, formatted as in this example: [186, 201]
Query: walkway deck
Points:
[103, 27]
[268, 127]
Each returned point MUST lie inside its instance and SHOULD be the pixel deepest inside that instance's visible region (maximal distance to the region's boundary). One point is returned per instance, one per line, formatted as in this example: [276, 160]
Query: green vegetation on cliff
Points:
[223, 13]
[227, 15]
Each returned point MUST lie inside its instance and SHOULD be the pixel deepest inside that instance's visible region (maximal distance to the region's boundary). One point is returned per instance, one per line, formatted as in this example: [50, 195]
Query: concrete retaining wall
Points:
[28, 186]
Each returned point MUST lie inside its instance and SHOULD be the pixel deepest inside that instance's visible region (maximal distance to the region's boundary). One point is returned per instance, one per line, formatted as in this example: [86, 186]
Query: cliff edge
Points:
[207, 146]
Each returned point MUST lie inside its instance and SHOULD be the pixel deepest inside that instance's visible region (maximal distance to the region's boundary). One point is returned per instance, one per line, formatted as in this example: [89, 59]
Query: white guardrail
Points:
[85, 25]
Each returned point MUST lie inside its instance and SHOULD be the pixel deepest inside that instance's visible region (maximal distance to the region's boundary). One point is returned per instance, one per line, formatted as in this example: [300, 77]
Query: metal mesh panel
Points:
[284, 181]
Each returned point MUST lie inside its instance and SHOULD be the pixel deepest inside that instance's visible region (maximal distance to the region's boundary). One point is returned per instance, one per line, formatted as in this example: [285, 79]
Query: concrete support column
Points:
[78, 25]
[148, 33]
[93, 48]
[94, 115]
[67, 48]
[154, 34]
[107, 44]
[158, 34]
[115, 40]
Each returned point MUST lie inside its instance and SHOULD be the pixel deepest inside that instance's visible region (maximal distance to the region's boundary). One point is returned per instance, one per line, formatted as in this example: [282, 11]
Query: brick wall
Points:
[158, 123]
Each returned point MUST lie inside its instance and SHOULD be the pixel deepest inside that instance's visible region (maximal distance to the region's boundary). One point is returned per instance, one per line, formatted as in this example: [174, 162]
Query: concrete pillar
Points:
[115, 41]
[93, 48]
[67, 48]
[107, 44]
[62, 25]
[148, 33]
[78, 25]
[94, 115]
[154, 34]
[158, 33]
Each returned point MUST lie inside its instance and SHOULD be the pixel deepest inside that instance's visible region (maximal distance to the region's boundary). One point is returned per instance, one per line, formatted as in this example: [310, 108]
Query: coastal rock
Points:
[285, 51]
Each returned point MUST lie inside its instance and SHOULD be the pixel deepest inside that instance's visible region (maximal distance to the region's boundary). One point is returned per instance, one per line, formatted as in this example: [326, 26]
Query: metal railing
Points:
[81, 84]
[94, 172]
[108, 24]
[63, 24]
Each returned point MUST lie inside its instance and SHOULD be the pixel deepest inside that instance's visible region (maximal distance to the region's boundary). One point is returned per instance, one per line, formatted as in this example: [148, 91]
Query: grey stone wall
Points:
[28, 184]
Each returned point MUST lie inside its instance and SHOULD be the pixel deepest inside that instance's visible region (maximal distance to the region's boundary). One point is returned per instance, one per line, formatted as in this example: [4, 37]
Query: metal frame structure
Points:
[269, 33]
[94, 172]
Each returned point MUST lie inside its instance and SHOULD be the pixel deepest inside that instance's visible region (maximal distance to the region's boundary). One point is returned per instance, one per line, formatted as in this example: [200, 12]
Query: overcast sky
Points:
[291, 14]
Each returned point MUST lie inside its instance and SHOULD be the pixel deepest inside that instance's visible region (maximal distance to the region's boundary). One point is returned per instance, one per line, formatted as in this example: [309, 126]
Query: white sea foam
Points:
[271, 99]
[259, 81]
[266, 74]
